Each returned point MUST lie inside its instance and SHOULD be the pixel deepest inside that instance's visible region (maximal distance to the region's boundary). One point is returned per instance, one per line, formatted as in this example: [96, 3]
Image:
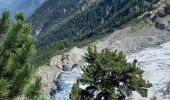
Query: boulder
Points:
[154, 18]
[160, 25]
[53, 90]
[74, 66]
[167, 10]
[65, 68]
[56, 62]
[147, 15]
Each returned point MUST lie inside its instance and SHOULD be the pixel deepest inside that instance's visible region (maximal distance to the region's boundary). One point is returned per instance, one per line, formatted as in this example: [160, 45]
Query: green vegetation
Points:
[16, 55]
[75, 92]
[109, 76]
[61, 31]
[33, 90]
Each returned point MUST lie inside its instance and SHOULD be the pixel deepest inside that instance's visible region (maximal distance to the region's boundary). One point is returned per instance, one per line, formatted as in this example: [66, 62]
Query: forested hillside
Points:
[65, 24]
[54, 11]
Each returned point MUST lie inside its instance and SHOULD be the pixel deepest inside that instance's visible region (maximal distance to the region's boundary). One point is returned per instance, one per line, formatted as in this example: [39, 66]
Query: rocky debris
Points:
[163, 25]
[147, 15]
[65, 68]
[151, 17]
[66, 61]
[57, 65]
[74, 66]
[168, 28]
[72, 57]
[160, 25]
[161, 13]
[167, 10]
[161, 9]
[53, 90]
[155, 18]
[56, 62]
[135, 40]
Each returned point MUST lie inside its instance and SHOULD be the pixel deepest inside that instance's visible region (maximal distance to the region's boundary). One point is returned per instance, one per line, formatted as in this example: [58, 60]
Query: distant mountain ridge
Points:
[26, 6]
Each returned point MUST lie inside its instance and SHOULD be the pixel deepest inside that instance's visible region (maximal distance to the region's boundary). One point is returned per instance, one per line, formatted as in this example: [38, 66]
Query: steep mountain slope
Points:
[131, 39]
[61, 29]
[53, 11]
[27, 6]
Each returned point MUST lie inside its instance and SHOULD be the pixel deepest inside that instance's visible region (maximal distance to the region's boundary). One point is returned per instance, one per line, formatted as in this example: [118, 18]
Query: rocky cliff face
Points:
[58, 65]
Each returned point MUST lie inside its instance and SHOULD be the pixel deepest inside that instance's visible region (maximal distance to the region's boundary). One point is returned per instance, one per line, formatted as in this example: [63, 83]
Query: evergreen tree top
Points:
[111, 76]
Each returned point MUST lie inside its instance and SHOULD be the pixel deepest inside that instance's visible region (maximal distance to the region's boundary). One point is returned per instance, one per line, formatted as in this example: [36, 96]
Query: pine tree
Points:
[16, 55]
[75, 93]
[33, 90]
[111, 77]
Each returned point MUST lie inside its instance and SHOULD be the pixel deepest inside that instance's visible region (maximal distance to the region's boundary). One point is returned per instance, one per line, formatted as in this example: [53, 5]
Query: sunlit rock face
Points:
[156, 64]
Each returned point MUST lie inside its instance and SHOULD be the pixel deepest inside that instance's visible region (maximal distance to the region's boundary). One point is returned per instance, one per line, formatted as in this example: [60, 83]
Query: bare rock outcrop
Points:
[57, 65]
[160, 25]
[66, 61]
[167, 10]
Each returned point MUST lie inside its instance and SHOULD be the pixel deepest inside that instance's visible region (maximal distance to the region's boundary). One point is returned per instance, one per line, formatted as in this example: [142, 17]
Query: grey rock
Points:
[161, 13]
[155, 18]
[53, 91]
[167, 10]
[74, 66]
[147, 15]
[160, 25]
[65, 68]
